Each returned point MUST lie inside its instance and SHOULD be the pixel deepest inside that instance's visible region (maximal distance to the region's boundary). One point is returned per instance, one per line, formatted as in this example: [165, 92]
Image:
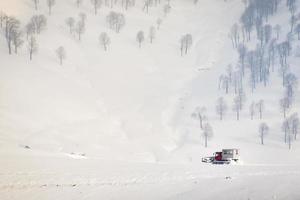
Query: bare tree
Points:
[290, 84]
[50, 4]
[39, 22]
[116, 21]
[291, 4]
[120, 22]
[290, 127]
[263, 131]
[293, 21]
[78, 3]
[140, 38]
[3, 17]
[242, 50]
[128, 3]
[237, 81]
[260, 32]
[221, 107]
[271, 53]
[229, 71]
[236, 107]
[242, 98]
[294, 123]
[70, 21]
[283, 70]
[277, 29]
[82, 17]
[167, 9]
[30, 29]
[290, 139]
[225, 83]
[283, 50]
[158, 23]
[252, 109]
[61, 54]
[152, 33]
[247, 20]
[12, 26]
[104, 40]
[32, 46]
[260, 107]
[147, 4]
[112, 2]
[251, 59]
[36, 3]
[186, 42]
[297, 30]
[96, 4]
[284, 105]
[207, 132]
[267, 32]
[285, 127]
[199, 114]
[17, 39]
[80, 29]
[234, 35]
[297, 51]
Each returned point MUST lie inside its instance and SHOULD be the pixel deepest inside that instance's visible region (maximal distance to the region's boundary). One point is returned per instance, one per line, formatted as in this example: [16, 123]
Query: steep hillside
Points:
[99, 98]
[208, 86]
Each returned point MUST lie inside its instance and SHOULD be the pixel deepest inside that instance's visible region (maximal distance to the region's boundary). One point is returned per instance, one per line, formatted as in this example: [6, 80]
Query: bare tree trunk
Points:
[186, 49]
[9, 46]
[181, 50]
[232, 42]
[285, 136]
[201, 121]
[290, 142]
[126, 5]
[260, 114]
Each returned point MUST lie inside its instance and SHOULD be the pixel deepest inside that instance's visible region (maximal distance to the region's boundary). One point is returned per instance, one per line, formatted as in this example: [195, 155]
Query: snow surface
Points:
[117, 124]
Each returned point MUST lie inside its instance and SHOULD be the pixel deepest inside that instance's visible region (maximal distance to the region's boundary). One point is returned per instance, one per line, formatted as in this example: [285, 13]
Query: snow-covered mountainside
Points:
[117, 99]
[119, 116]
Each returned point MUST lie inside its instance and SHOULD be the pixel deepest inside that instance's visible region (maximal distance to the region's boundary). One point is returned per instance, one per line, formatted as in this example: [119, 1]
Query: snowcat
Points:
[226, 156]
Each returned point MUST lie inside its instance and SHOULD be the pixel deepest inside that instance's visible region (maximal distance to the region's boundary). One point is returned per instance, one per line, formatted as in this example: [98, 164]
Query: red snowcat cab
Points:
[218, 156]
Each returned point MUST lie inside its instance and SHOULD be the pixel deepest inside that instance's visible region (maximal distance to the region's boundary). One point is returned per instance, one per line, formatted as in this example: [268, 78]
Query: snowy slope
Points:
[45, 99]
[117, 124]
